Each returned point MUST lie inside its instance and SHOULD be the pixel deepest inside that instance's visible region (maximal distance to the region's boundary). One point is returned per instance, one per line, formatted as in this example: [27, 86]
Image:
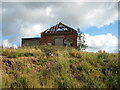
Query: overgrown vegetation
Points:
[58, 67]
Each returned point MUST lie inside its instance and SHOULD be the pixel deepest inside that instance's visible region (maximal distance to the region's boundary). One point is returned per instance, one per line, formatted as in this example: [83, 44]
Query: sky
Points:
[97, 20]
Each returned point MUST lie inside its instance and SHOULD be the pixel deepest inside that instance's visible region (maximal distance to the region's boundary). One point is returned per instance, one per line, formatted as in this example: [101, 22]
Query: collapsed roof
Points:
[60, 27]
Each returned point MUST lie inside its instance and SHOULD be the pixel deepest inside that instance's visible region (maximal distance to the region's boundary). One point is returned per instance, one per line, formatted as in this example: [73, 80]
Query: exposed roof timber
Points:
[58, 26]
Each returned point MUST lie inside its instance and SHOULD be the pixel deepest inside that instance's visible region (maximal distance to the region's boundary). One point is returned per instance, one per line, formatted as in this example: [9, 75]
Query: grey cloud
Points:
[0, 23]
[17, 14]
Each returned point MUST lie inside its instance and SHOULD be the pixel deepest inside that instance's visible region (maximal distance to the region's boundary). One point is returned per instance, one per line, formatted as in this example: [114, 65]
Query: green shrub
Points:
[103, 55]
[21, 55]
[73, 61]
[87, 67]
[21, 82]
[66, 82]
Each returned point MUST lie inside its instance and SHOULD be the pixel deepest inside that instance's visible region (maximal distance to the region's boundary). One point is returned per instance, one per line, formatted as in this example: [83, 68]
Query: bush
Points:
[73, 61]
[103, 55]
[66, 82]
[21, 82]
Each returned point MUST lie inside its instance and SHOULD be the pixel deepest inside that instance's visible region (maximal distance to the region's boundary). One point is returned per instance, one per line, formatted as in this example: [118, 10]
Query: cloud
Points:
[106, 42]
[119, 10]
[60, 1]
[74, 14]
[0, 24]
[29, 30]
[6, 44]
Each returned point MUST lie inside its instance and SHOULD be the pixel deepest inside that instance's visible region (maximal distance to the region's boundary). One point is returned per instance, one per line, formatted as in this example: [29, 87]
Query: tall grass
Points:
[58, 67]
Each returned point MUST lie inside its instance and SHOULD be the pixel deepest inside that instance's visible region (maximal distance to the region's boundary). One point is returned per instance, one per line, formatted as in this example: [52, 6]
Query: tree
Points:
[81, 40]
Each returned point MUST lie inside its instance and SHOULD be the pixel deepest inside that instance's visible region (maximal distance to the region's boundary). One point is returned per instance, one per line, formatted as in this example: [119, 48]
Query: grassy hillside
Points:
[58, 67]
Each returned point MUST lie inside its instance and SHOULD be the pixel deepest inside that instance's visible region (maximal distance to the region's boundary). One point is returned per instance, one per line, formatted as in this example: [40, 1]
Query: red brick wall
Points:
[50, 37]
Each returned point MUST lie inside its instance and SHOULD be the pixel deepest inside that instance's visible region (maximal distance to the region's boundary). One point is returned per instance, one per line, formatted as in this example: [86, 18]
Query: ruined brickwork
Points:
[67, 39]
[59, 35]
